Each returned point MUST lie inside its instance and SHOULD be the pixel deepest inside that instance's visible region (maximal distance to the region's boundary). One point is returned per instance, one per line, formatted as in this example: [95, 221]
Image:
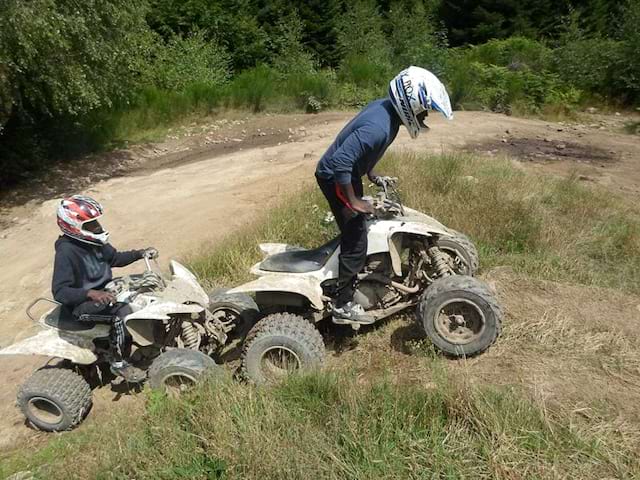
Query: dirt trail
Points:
[202, 186]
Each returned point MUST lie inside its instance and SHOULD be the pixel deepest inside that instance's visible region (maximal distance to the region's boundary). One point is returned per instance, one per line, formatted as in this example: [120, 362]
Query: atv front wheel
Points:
[462, 251]
[280, 344]
[460, 315]
[179, 369]
[55, 399]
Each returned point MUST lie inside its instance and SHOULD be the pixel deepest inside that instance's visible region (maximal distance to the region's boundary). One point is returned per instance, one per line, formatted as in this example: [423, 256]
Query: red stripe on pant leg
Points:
[342, 198]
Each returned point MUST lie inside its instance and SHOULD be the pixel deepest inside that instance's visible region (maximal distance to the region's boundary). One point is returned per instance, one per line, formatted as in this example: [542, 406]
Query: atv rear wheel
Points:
[55, 399]
[237, 309]
[280, 344]
[462, 251]
[177, 370]
[460, 315]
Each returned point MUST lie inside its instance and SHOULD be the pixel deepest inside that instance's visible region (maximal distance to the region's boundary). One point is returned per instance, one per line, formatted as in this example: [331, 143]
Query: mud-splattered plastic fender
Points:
[299, 284]
[54, 343]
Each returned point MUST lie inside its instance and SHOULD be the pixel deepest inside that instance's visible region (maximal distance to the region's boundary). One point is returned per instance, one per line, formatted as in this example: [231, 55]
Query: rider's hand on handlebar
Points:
[362, 206]
[101, 297]
[150, 253]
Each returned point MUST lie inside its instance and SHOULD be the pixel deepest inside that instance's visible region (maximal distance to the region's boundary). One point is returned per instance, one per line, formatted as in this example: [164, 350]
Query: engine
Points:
[374, 289]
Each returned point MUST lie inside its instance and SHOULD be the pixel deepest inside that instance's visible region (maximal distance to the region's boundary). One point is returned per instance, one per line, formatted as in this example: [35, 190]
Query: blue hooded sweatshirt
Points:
[361, 143]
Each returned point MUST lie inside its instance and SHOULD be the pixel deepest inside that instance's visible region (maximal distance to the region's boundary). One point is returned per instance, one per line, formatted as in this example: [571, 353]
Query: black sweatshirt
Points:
[80, 267]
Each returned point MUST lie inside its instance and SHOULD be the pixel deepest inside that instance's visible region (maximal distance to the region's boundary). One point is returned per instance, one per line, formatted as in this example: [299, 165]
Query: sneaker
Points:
[127, 371]
[351, 313]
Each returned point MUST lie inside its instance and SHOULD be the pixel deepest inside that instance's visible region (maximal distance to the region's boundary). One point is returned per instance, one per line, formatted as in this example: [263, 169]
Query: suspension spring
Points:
[190, 336]
[439, 262]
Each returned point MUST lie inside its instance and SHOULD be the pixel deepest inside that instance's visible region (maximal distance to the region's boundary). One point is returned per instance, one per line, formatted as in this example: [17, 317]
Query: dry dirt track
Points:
[185, 203]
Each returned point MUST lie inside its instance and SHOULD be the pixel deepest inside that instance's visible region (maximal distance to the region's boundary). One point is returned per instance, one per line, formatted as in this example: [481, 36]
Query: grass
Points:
[405, 412]
[632, 128]
[555, 229]
[329, 425]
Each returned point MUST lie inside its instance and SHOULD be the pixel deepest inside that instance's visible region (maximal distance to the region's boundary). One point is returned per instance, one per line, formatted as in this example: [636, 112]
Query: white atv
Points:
[412, 261]
[174, 329]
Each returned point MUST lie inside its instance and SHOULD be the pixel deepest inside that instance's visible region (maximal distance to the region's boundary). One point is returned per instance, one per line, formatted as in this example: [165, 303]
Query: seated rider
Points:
[354, 153]
[82, 268]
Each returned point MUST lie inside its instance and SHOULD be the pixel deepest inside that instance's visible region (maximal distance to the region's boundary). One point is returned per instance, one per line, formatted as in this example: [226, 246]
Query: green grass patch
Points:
[328, 425]
[557, 229]
[632, 128]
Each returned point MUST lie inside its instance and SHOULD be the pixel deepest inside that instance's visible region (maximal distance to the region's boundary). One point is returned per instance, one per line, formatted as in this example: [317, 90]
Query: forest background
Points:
[83, 75]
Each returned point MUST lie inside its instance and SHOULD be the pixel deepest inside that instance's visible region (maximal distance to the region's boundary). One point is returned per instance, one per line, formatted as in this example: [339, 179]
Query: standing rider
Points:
[355, 152]
[82, 268]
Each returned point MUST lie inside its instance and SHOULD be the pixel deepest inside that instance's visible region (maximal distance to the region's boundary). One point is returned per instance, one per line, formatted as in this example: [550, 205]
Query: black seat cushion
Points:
[62, 319]
[300, 261]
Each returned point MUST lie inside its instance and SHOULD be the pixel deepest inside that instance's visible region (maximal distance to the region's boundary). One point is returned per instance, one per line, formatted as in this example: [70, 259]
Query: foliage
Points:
[230, 23]
[591, 64]
[361, 37]
[414, 41]
[66, 57]
[477, 21]
[186, 61]
[76, 76]
[290, 55]
[252, 88]
[515, 53]
[630, 51]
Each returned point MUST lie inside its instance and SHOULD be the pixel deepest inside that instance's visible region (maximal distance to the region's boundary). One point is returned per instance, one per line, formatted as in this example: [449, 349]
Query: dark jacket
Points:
[80, 267]
[360, 144]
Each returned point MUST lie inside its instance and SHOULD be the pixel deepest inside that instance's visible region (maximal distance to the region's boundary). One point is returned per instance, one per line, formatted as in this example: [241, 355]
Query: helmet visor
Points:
[93, 226]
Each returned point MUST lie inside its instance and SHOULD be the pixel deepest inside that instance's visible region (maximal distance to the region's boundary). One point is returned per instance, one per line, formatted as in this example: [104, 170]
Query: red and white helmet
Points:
[415, 91]
[75, 212]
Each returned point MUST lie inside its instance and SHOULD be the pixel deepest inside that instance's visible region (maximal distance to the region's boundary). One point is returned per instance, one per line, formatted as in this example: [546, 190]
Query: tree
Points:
[412, 42]
[61, 60]
[320, 18]
[232, 24]
[61, 57]
[361, 34]
[631, 50]
[476, 21]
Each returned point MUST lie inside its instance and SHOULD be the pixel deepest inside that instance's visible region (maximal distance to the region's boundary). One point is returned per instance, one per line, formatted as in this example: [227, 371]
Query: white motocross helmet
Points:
[77, 218]
[415, 91]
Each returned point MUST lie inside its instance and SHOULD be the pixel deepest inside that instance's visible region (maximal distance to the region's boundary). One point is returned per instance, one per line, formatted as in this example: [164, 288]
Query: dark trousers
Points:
[353, 241]
[118, 312]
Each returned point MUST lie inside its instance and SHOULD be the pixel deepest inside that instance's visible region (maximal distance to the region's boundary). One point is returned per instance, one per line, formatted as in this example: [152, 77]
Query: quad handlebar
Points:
[387, 202]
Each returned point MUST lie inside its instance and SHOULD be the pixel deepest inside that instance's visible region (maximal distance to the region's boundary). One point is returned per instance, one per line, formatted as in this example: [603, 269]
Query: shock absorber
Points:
[190, 336]
[439, 262]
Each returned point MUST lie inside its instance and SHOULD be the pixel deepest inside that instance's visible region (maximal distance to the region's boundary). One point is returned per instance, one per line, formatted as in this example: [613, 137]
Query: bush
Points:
[253, 88]
[500, 89]
[310, 91]
[630, 73]
[591, 64]
[515, 53]
[192, 60]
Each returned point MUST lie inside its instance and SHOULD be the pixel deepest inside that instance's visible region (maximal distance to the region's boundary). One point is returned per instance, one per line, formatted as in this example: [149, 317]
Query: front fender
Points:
[413, 228]
[54, 343]
[161, 309]
[290, 283]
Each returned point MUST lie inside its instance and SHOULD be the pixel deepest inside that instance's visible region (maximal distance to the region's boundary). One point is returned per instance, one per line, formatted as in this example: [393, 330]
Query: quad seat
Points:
[62, 319]
[300, 261]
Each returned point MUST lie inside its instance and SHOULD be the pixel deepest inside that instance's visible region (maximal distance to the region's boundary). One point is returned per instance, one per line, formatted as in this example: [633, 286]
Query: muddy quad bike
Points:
[412, 261]
[173, 333]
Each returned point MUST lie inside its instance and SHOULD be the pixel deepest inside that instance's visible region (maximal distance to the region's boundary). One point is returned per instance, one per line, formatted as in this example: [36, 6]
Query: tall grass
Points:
[328, 425]
[556, 229]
